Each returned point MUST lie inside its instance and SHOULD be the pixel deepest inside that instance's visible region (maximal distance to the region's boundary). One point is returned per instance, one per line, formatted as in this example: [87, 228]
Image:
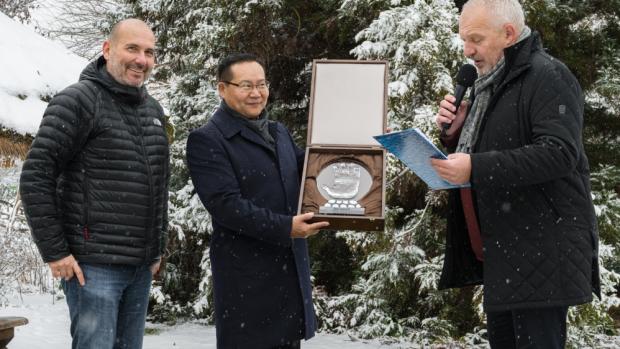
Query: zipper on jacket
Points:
[86, 233]
[149, 173]
[85, 204]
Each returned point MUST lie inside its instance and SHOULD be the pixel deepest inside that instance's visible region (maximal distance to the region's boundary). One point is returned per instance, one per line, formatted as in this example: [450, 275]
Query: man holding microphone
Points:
[526, 229]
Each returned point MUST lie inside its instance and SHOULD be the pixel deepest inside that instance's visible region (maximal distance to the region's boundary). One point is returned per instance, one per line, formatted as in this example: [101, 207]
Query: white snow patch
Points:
[48, 327]
[32, 67]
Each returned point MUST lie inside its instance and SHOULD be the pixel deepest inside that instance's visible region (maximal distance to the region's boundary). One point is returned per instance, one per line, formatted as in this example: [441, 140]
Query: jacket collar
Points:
[230, 126]
[96, 71]
[518, 55]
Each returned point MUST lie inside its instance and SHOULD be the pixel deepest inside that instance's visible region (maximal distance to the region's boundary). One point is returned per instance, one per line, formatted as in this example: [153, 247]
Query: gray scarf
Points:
[484, 87]
[260, 125]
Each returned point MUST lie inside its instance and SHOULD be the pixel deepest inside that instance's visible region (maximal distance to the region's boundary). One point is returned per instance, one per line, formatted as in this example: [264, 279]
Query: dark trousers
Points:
[291, 345]
[528, 328]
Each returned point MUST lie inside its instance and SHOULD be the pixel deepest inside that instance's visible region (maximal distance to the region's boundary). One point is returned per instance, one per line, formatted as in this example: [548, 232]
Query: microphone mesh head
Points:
[467, 75]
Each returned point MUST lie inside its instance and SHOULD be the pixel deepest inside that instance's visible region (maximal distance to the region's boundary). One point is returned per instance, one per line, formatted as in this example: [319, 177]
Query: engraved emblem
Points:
[343, 183]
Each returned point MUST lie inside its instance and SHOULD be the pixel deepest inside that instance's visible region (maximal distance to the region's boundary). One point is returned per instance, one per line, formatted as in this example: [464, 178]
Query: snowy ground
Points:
[48, 328]
[9, 176]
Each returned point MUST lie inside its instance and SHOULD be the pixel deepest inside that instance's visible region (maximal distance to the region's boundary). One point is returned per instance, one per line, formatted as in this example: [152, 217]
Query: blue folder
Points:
[415, 149]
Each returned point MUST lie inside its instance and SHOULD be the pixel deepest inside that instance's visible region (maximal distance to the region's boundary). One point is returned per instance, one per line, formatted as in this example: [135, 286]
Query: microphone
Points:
[464, 79]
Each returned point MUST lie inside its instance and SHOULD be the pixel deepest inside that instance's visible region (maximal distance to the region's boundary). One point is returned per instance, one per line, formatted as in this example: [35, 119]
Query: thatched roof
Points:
[33, 69]
[13, 146]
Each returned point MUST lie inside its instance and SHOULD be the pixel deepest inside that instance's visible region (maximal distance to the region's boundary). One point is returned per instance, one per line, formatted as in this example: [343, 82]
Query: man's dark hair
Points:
[223, 69]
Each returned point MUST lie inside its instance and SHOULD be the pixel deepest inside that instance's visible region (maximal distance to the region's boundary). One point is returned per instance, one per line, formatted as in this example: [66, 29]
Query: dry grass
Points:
[11, 150]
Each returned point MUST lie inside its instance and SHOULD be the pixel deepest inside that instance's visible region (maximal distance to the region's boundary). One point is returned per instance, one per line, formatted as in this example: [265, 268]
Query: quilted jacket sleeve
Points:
[63, 131]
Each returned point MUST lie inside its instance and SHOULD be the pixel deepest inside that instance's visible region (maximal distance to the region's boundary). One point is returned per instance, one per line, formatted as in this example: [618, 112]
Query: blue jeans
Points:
[109, 311]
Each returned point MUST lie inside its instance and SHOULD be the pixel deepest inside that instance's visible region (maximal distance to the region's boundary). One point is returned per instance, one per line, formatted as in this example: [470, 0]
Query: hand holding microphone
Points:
[449, 110]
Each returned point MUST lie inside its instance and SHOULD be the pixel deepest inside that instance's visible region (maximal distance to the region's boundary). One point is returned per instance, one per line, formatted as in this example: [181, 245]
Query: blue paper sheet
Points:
[415, 149]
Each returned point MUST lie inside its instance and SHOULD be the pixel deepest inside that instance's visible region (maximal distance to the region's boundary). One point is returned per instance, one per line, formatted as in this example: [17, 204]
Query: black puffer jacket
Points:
[531, 181]
[95, 182]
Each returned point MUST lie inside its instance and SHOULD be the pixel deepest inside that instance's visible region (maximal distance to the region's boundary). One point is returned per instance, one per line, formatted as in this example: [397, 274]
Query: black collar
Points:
[518, 55]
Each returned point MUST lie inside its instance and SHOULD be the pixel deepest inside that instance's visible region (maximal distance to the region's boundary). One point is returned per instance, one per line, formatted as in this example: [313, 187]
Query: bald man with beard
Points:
[95, 191]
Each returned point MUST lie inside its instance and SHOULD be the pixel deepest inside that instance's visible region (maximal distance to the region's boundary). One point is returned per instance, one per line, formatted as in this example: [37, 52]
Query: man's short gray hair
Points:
[502, 11]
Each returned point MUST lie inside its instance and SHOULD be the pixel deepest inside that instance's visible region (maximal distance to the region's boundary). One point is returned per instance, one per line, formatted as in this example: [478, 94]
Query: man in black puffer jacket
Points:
[527, 228]
[94, 188]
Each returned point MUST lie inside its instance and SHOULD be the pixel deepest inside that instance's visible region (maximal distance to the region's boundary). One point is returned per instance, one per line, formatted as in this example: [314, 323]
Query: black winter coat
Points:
[95, 182]
[261, 277]
[530, 178]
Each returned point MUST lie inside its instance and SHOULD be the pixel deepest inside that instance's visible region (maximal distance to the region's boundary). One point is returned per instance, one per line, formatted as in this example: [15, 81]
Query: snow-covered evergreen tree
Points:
[396, 294]
[389, 287]
[418, 40]
[18, 9]
[192, 37]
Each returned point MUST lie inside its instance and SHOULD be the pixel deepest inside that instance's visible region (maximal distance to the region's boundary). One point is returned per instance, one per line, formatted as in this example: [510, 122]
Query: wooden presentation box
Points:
[348, 106]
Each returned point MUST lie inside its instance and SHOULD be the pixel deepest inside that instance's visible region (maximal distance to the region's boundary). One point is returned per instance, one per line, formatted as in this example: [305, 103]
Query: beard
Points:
[120, 72]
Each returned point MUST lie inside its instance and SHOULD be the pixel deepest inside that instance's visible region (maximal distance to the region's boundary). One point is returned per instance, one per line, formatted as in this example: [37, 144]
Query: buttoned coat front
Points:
[261, 276]
[530, 178]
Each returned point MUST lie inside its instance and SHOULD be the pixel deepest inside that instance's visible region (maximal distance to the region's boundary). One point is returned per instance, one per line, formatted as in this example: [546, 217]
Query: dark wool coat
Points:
[530, 178]
[95, 182]
[261, 276]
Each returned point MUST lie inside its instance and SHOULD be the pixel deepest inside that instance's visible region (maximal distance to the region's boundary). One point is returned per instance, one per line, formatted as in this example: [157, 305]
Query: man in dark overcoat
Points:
[246, 171]
[526, 229]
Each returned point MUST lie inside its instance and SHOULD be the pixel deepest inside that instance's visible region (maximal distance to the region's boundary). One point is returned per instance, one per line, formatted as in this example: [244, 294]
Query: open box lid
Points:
[348, 102]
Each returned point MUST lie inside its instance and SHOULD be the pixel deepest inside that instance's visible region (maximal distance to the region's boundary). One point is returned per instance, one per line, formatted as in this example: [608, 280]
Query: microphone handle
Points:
[459, 93]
